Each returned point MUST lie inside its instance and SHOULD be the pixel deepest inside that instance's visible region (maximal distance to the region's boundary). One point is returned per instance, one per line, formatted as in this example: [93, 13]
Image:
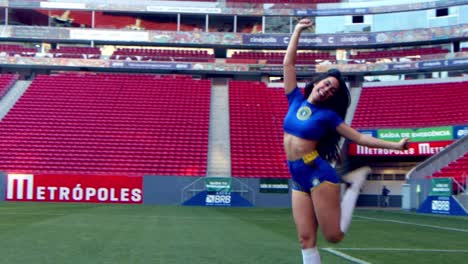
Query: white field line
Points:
[405, 213]
[406, 249]
[337, 252]
[415, 224]
[345, 256]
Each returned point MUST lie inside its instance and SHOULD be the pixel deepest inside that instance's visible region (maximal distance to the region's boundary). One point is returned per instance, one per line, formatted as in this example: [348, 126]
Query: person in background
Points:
[312, 128]
[385, 197]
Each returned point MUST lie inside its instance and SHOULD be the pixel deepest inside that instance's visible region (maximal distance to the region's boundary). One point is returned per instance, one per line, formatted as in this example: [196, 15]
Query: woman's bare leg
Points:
[306, 225]
[322, 209]
[326, 200]
[333, 216]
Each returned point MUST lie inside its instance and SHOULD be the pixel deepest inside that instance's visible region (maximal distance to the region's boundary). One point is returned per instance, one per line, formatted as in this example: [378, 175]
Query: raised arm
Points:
[289, 61]
[369, 141]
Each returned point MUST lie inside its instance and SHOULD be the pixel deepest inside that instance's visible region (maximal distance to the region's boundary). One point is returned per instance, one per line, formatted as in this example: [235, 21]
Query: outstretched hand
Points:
[303, 23]
[403, 144]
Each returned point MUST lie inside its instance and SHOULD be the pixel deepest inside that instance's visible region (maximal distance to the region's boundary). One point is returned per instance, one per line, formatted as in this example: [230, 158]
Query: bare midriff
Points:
[297, 147]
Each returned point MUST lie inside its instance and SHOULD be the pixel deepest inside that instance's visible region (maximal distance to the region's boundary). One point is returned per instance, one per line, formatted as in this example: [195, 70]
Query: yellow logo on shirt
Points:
[304, 113]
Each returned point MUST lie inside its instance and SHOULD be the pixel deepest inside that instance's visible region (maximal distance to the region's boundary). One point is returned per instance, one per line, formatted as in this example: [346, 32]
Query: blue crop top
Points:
[306, 120]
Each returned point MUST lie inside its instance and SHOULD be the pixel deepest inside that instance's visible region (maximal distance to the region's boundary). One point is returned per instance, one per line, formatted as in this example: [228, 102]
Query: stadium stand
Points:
[457, 170]
[277, 57]
[76, 52]
[15, 49]
[412, 106]
[397, 53]
[256, 116]
[117, 124]
[108, 20]
[162, 55]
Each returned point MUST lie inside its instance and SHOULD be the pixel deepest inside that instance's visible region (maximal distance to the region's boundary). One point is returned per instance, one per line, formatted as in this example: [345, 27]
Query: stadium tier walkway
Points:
[219, 149]
[10, 98]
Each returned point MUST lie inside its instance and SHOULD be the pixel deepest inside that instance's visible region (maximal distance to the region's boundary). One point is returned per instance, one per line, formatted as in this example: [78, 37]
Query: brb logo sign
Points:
[24, 187]
[438, 205]
[218, 199]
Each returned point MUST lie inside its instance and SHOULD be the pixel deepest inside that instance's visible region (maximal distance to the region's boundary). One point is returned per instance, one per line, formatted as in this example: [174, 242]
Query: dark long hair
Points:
[339, 103]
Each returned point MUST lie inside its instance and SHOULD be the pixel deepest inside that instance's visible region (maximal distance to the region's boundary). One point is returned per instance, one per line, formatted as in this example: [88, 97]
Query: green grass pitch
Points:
[93, 233]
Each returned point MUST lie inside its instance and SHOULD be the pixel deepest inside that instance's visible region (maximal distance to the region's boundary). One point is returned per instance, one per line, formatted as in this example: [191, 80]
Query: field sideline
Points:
[94, 233]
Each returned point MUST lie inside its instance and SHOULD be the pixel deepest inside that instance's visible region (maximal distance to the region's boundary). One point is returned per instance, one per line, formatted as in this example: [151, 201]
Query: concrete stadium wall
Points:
[372, 200]
[167, 190]
[277, 200]
[164, 190]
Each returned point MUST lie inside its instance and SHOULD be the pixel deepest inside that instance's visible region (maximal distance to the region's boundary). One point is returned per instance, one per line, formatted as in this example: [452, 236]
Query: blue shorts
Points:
[305, 177]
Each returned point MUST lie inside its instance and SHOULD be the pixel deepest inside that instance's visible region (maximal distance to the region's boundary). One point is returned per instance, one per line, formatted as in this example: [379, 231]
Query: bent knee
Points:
[335, 238]
[307, 241]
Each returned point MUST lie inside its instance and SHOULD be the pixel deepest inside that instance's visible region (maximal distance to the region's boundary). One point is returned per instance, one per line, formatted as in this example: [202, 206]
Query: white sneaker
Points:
[357, 177]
